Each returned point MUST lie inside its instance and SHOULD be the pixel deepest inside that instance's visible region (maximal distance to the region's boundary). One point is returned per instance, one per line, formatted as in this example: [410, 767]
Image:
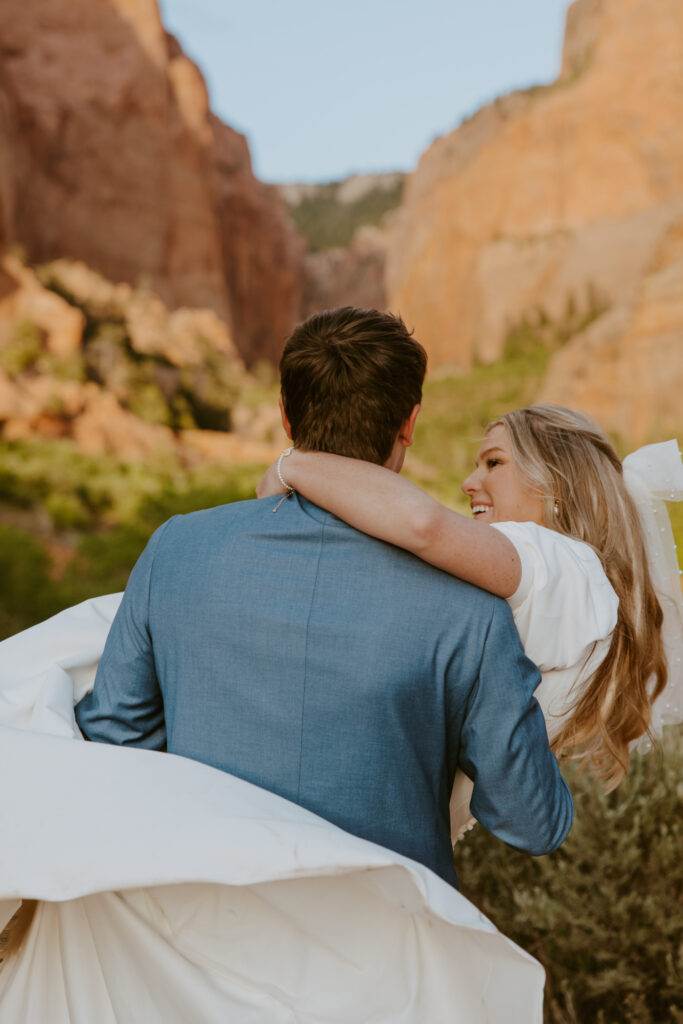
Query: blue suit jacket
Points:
[344, 674]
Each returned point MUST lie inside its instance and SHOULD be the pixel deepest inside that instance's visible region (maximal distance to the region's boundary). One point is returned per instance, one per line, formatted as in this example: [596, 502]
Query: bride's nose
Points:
[469, 485]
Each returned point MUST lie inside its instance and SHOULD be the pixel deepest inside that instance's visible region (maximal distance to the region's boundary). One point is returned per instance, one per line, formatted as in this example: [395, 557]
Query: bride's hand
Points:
[269, 483]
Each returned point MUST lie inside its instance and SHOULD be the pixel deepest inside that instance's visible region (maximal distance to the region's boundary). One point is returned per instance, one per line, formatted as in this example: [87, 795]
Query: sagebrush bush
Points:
[604, 914]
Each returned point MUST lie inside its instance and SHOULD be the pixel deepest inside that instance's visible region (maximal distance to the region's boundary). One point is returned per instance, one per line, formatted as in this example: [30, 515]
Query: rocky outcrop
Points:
[111, 368]
[560, 196]
[627, 368]
[40, 406]
[109, 155]
[91, 417]
[23, 301]
[352, 276]
[182, 337]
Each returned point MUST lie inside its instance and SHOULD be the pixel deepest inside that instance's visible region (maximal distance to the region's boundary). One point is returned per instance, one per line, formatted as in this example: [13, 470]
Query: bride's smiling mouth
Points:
[478, 509]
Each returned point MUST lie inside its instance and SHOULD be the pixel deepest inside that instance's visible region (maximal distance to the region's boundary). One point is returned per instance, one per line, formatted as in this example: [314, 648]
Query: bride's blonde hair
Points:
[16, 929]
[567, 459]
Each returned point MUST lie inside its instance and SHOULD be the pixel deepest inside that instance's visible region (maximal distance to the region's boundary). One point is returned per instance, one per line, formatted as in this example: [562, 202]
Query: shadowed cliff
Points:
[109, 154]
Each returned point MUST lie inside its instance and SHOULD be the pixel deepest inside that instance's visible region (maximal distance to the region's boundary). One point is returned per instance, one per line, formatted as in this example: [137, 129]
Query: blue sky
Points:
[324, 90]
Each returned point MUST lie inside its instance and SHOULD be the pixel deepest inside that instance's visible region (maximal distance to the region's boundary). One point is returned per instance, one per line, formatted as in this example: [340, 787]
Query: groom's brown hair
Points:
[350, 378]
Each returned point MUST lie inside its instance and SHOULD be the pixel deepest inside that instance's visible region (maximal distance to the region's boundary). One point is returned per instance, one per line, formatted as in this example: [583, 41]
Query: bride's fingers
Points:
[269, 483]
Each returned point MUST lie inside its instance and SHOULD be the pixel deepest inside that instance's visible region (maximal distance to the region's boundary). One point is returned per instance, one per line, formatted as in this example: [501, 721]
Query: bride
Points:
[171, 892]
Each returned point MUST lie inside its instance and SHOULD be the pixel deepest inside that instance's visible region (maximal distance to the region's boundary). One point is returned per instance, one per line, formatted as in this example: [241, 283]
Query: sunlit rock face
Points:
[113, 369]
[627, 368]
[109, 154]
[566, 196]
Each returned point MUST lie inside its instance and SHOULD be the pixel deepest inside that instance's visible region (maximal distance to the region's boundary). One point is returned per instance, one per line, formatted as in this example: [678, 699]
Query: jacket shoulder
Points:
[217, 515]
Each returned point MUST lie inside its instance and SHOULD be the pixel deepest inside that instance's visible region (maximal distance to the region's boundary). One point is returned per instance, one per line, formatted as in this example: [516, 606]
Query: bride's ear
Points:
[405, 434]
[285, 420]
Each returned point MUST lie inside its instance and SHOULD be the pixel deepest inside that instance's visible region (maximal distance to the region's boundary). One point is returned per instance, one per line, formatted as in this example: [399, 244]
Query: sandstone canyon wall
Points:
[569, 195]
[109, 154]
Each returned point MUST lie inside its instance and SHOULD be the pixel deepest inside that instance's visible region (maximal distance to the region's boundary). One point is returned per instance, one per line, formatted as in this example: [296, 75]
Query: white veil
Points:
[653, 475]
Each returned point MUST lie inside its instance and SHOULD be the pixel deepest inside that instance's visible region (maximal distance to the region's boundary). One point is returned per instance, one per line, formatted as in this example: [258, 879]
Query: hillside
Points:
[329, 215]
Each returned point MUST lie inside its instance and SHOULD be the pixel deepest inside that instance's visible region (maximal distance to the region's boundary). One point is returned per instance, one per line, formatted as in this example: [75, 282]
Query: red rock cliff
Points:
[263, 255]
[109, 154]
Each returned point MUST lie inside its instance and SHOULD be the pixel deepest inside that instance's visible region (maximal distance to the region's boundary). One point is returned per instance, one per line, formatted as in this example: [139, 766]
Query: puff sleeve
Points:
[564, 603]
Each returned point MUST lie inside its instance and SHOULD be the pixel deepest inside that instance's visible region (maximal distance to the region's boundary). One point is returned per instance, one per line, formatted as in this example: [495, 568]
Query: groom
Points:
[271, 640]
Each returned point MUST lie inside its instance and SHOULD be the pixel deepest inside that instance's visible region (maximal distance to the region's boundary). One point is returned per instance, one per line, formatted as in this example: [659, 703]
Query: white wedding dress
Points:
[172, 892]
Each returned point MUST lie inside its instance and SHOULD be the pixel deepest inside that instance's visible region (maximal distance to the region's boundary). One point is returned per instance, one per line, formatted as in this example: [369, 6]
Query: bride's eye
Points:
[492, 462]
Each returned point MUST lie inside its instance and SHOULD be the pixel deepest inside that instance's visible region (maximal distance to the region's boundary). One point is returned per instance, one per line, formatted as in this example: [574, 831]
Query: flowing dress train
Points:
[170, 891]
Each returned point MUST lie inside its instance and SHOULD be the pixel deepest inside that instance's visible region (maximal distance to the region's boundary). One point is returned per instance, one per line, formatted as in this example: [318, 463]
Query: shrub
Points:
[23, 348]
[27, 593]
[102, 564]
[67, 511]
[603, 913]
[210, 392]
[148, 403]
[69, 367]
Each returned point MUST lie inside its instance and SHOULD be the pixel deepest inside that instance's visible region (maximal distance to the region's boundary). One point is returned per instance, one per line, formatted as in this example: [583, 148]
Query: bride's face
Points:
[496, 490]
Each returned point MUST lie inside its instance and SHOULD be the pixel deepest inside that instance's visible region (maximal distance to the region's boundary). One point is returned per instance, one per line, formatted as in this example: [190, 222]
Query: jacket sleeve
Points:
[126, 706]
[519, 794]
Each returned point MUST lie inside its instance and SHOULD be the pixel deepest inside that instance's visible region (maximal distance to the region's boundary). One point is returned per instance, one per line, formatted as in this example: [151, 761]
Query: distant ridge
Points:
[329, 214]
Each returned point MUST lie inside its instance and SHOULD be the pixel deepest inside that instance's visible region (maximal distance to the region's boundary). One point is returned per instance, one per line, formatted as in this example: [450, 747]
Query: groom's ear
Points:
[285, 420]
[405, 434]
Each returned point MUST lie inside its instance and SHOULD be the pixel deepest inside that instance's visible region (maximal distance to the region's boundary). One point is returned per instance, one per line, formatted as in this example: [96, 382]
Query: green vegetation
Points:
[23, 348]
[326, 223]
[27, 595]
[146, 383]
[603, 914]
[456, 410]
[96, 509]
[71, 367]
[580, 64]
